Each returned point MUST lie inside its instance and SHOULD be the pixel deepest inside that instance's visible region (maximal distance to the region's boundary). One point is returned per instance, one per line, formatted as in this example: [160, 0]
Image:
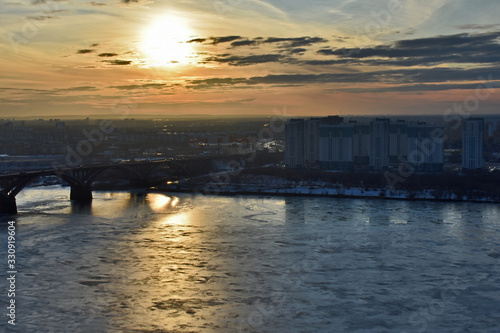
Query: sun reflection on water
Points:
[158, 202]
[178, 219]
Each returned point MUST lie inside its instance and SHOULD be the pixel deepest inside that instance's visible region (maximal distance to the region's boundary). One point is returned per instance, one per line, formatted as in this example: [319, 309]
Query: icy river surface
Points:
[192, 263]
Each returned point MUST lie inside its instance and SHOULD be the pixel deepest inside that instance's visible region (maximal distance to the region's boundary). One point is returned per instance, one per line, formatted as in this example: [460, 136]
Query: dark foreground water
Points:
[185, 263]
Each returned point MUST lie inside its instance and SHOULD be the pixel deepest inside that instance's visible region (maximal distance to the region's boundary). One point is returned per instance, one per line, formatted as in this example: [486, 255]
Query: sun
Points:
[164, 42]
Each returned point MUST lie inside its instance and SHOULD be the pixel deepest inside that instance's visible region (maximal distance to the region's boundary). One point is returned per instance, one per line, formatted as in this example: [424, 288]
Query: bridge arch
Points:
[11, 187]
[81, 178]
[126, 169]
[177, 168]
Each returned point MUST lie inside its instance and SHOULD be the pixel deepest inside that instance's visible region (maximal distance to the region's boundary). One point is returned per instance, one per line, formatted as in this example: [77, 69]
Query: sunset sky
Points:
[232, 57]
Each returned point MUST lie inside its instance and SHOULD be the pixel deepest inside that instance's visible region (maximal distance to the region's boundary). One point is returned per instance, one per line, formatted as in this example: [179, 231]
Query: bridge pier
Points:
[81, 194]
[8, 206]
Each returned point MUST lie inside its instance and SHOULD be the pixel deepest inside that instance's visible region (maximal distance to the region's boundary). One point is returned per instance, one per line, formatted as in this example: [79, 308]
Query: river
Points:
[194, 263]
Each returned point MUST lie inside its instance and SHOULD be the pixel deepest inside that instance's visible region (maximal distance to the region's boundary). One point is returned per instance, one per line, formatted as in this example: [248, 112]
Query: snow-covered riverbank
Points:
[323, 190]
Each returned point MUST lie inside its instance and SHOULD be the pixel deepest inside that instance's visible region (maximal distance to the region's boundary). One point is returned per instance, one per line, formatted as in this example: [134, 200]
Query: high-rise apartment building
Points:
[379, 154]
[311, 141]
[335, 146]
[294, 143]
[332, 144]
[302, 140]
[398, 141]
[491, 128]
[472, 143]
[425, 147]
[361, 141]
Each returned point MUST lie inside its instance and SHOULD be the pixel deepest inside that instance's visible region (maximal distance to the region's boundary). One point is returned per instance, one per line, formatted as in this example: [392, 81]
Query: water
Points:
[186, 263]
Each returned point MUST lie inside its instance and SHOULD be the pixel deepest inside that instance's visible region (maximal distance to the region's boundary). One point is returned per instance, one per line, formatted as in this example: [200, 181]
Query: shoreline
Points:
[298, 191]
[301, 192]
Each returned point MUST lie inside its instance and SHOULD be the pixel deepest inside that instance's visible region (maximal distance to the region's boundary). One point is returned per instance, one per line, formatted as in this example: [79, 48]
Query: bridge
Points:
[81, 179]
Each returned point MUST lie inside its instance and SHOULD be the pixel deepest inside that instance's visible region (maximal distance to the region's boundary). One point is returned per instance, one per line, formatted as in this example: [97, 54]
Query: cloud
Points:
[327, 52]
[49, 93]
[295, 42]
[327, 62]
[83, 88]
[197, 40]
[449, 40]
[235, 60]
[141, 86]
[459, 48]
[107, 54]
[39, 2]
[17, 4]
[84, 51]
[297, 51]
[94, 3]
[214, 40]
[420, 87]
[226, 39]
[401, 76]
[118, 62]
[41, 17]
[237, 41]
[462, 48]
[284, 45]
[154, 85]
[214, 83]
[477, 26]
[245, 43]
[290, 45]
[290, 42]
[136, 2]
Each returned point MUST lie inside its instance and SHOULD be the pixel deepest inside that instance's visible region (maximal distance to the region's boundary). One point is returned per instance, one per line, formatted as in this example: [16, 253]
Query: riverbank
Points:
[254, 184]
[333, 192]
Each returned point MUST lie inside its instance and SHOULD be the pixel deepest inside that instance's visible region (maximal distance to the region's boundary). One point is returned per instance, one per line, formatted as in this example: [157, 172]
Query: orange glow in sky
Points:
[246, 57]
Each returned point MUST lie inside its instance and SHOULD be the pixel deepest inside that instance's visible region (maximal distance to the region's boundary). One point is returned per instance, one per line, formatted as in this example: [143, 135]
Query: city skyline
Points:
[249, 57]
